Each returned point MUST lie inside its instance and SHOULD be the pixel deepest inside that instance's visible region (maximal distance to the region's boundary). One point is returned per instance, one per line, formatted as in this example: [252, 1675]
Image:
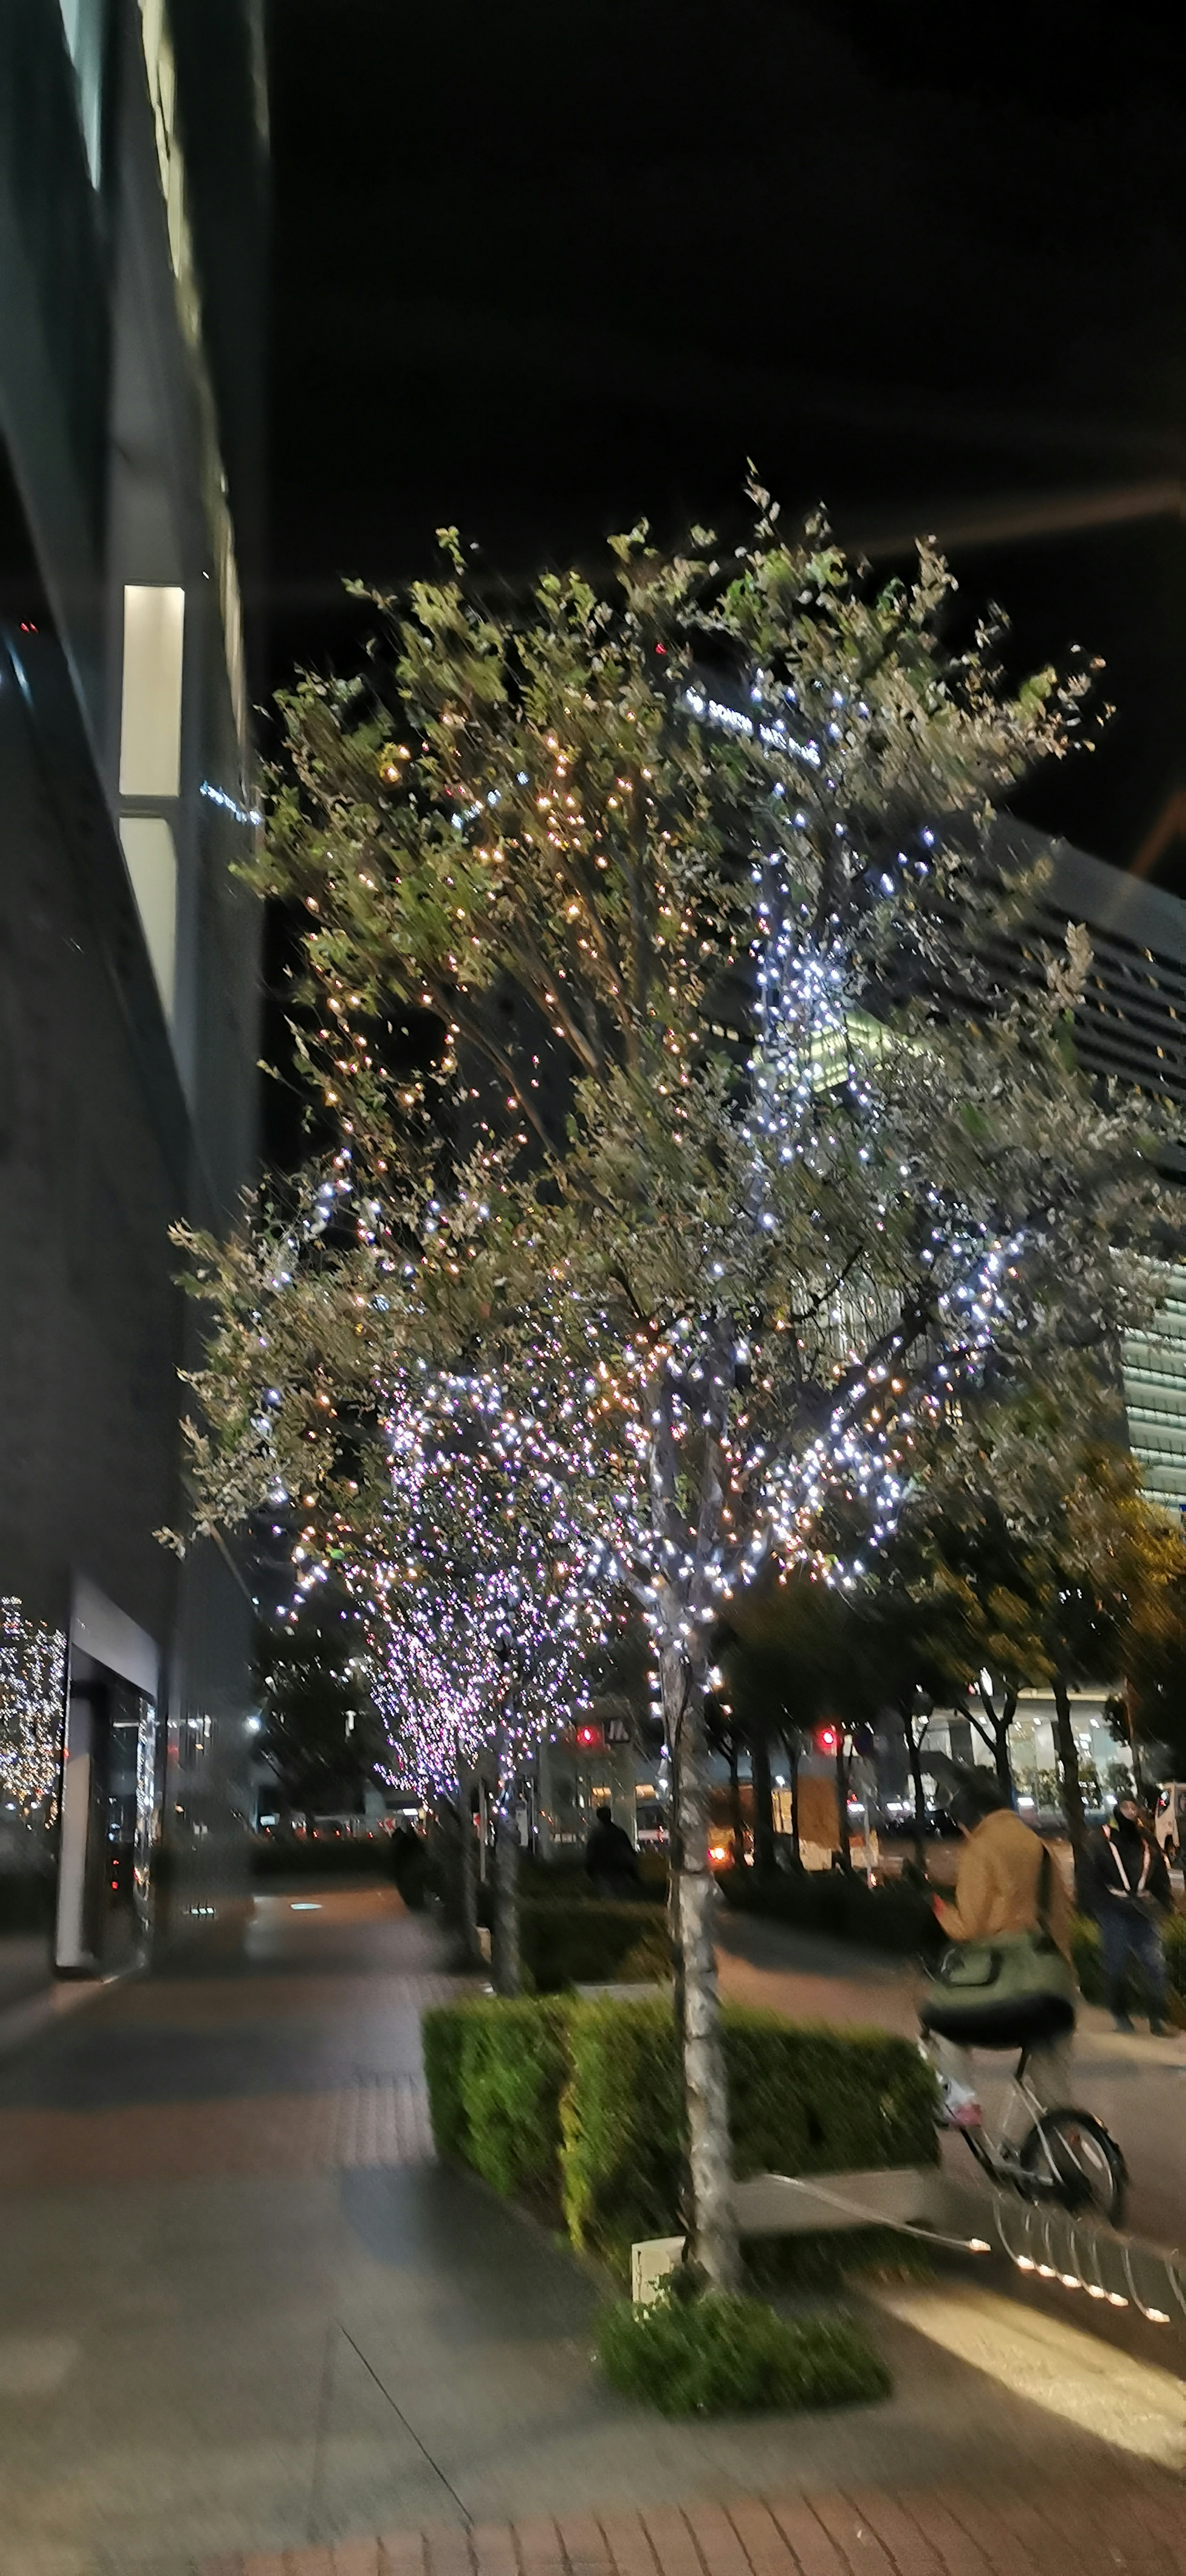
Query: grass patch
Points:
[720, 2353]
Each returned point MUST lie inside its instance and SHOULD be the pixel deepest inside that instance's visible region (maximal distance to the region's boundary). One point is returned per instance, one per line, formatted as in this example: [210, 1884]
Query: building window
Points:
[84, 22]
[150, 719]
[151, 856]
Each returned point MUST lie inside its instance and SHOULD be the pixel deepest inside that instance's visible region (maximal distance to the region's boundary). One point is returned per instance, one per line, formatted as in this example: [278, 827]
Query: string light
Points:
[32, 1701]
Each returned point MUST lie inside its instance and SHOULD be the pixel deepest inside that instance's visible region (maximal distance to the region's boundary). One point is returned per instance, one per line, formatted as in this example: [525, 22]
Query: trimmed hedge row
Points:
[321, 1856]
[895, 1916]
[592, 1943]
[567, 1882]
[577, 2106]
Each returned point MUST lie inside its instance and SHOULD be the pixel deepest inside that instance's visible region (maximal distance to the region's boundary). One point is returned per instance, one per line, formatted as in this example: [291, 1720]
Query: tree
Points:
[469, 1529]
[774, 1260]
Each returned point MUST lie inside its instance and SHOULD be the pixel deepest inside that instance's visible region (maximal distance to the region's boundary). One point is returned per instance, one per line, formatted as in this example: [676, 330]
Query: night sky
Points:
[542, 271]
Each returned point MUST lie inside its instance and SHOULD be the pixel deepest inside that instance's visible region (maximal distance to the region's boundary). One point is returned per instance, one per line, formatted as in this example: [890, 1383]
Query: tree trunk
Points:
[736, 1818]
[759, 1772]
[508, 1970]
[1072, 1787]
[914, 1756]
[842, 1800]
[468, 1866]
[792, 1754]
[709, 2147]
[1001, 1743]
[995, 1734]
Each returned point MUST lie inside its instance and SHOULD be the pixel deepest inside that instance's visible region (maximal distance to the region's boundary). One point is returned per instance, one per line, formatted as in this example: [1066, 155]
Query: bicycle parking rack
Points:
[1039, 2238]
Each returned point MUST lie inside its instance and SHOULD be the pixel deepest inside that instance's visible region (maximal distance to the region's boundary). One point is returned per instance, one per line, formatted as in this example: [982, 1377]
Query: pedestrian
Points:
[1128, 1886]
[1008, 1890]
[610, 1858]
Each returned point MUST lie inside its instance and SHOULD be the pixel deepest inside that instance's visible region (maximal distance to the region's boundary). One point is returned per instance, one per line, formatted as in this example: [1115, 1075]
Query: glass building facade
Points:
[133, 179]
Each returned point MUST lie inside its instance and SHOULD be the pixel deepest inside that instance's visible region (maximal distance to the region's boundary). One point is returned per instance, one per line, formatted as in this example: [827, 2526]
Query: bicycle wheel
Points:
[1079, 2164]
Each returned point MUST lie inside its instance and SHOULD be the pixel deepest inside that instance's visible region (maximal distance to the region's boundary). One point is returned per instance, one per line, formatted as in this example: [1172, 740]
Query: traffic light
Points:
[590, 1738]
[827, 1739]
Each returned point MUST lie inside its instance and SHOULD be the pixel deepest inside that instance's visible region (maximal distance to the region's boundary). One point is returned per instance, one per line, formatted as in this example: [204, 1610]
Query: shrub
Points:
[27, 1900]
[802, 2099]
[1089, 1966]
[442, 2036]
[837, 1902]
[567, 1881]
[495, 2068]
[722, 2354]
[332, 1856]
[592, 1943]
[578, 2106]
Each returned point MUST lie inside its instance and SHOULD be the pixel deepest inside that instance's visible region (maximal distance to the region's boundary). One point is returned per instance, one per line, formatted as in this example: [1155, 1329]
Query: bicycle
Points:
[1066, 2157]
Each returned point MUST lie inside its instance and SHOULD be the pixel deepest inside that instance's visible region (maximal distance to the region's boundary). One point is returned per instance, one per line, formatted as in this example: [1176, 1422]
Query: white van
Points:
[1169, 1823]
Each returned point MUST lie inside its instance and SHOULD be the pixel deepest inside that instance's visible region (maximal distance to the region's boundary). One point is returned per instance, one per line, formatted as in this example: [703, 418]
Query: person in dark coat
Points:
[1128, 1886]
[610, 1858]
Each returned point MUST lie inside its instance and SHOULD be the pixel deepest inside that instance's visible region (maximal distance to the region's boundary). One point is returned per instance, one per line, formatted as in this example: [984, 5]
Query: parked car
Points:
[937, 1825]
[1169, 1823]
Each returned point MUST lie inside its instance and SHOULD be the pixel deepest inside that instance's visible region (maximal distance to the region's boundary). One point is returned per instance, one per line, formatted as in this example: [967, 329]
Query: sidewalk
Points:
[243, 2313]
[1131, 2528]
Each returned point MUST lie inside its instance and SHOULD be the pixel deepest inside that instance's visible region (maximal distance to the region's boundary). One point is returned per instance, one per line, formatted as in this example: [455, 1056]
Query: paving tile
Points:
[583, 2543]
[447, 2550]
[628, 2546]
[908, 2546]
[761, 2539]
[308, 2562]
[355, 2558]
[815, 2553]
[401, 2553]
[717, 2540]
[267, 2562]
[538, 2543]
[1002, 2548]
[1049, 2548]
[672, 2542]
[958, 2553]
[493, 2545]
[857, 2542]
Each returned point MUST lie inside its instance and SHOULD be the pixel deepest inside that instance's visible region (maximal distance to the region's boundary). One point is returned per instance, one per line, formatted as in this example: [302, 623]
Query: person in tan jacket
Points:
[998, 1889]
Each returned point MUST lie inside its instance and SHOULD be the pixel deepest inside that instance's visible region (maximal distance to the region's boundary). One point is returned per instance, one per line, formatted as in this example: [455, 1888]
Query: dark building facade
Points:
[133, 163]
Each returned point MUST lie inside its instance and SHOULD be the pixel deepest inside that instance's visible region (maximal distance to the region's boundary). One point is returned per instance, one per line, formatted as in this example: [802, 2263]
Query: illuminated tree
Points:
[759, 1145]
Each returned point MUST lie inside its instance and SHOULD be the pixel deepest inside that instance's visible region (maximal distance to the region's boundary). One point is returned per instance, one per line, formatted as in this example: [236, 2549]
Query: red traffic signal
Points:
[827, 1739]
[590, 1737]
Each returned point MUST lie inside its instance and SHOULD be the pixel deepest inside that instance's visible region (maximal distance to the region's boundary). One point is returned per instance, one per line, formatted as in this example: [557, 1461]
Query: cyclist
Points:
[1006, 1883]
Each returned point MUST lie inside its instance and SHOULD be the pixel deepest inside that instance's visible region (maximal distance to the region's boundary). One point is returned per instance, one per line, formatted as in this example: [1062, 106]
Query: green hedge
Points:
[495, 2067]
[304, 1856]
[1089, 1968]
[592, 1944]
[567, 1882]
[895, 1916]
[27, 1900]
[722, 2354]
[802, 2099]
[579, 2106]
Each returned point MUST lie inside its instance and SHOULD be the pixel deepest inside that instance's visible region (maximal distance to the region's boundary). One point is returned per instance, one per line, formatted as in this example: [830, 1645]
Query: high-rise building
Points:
[1130, 1026]
[133, 167]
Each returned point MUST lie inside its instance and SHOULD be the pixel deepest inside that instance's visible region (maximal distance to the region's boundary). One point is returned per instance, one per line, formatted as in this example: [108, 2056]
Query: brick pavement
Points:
[381, 2123]
[1119, 2524]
